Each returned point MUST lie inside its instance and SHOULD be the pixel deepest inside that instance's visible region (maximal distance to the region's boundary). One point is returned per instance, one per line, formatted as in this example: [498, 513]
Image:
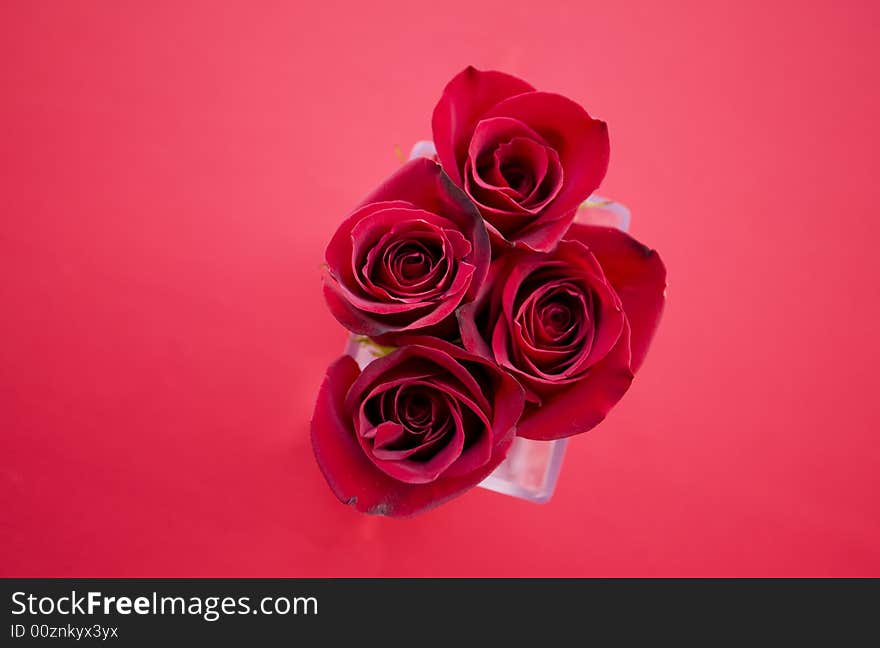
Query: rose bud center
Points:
[556, 318]
[421, 421]
[525, 173]
[418, 266]
[555, 323]
[560, 312]
[413, 262]
[412, 423]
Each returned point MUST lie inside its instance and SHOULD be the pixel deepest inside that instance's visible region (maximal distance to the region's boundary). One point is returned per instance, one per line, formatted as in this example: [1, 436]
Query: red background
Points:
[170, 173]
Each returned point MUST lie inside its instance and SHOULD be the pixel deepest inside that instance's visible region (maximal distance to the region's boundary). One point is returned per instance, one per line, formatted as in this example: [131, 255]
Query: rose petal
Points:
[352, 318]
[507, 408]
[420, 472]
[339, 251]
[377, 279]
[438, 352]
[583, 404]
[485, 307]
[489, 133]
[607, 304]
[638, 276]
[466, 98]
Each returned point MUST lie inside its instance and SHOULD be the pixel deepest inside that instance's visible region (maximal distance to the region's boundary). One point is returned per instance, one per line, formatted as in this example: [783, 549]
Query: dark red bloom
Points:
[415, 428]
[526, 158]
[573, 326]
[408, 256]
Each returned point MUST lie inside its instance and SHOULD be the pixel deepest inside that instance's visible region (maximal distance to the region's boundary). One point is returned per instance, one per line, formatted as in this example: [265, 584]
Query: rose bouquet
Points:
[490, 312]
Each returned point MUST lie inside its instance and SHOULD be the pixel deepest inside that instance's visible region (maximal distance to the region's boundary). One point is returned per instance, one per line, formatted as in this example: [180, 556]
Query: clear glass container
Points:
[531, 468]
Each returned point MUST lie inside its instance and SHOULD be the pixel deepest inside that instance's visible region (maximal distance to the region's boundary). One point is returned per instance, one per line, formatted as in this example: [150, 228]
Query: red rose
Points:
[526, 158]
[415, 428]
[573, 326]
[408, 256]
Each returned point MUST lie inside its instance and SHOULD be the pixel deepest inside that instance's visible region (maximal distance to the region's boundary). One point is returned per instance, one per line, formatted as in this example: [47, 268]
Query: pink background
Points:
[170, 173]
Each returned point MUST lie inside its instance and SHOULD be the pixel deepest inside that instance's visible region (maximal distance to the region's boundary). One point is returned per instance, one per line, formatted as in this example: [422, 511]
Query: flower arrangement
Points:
[490, 311]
